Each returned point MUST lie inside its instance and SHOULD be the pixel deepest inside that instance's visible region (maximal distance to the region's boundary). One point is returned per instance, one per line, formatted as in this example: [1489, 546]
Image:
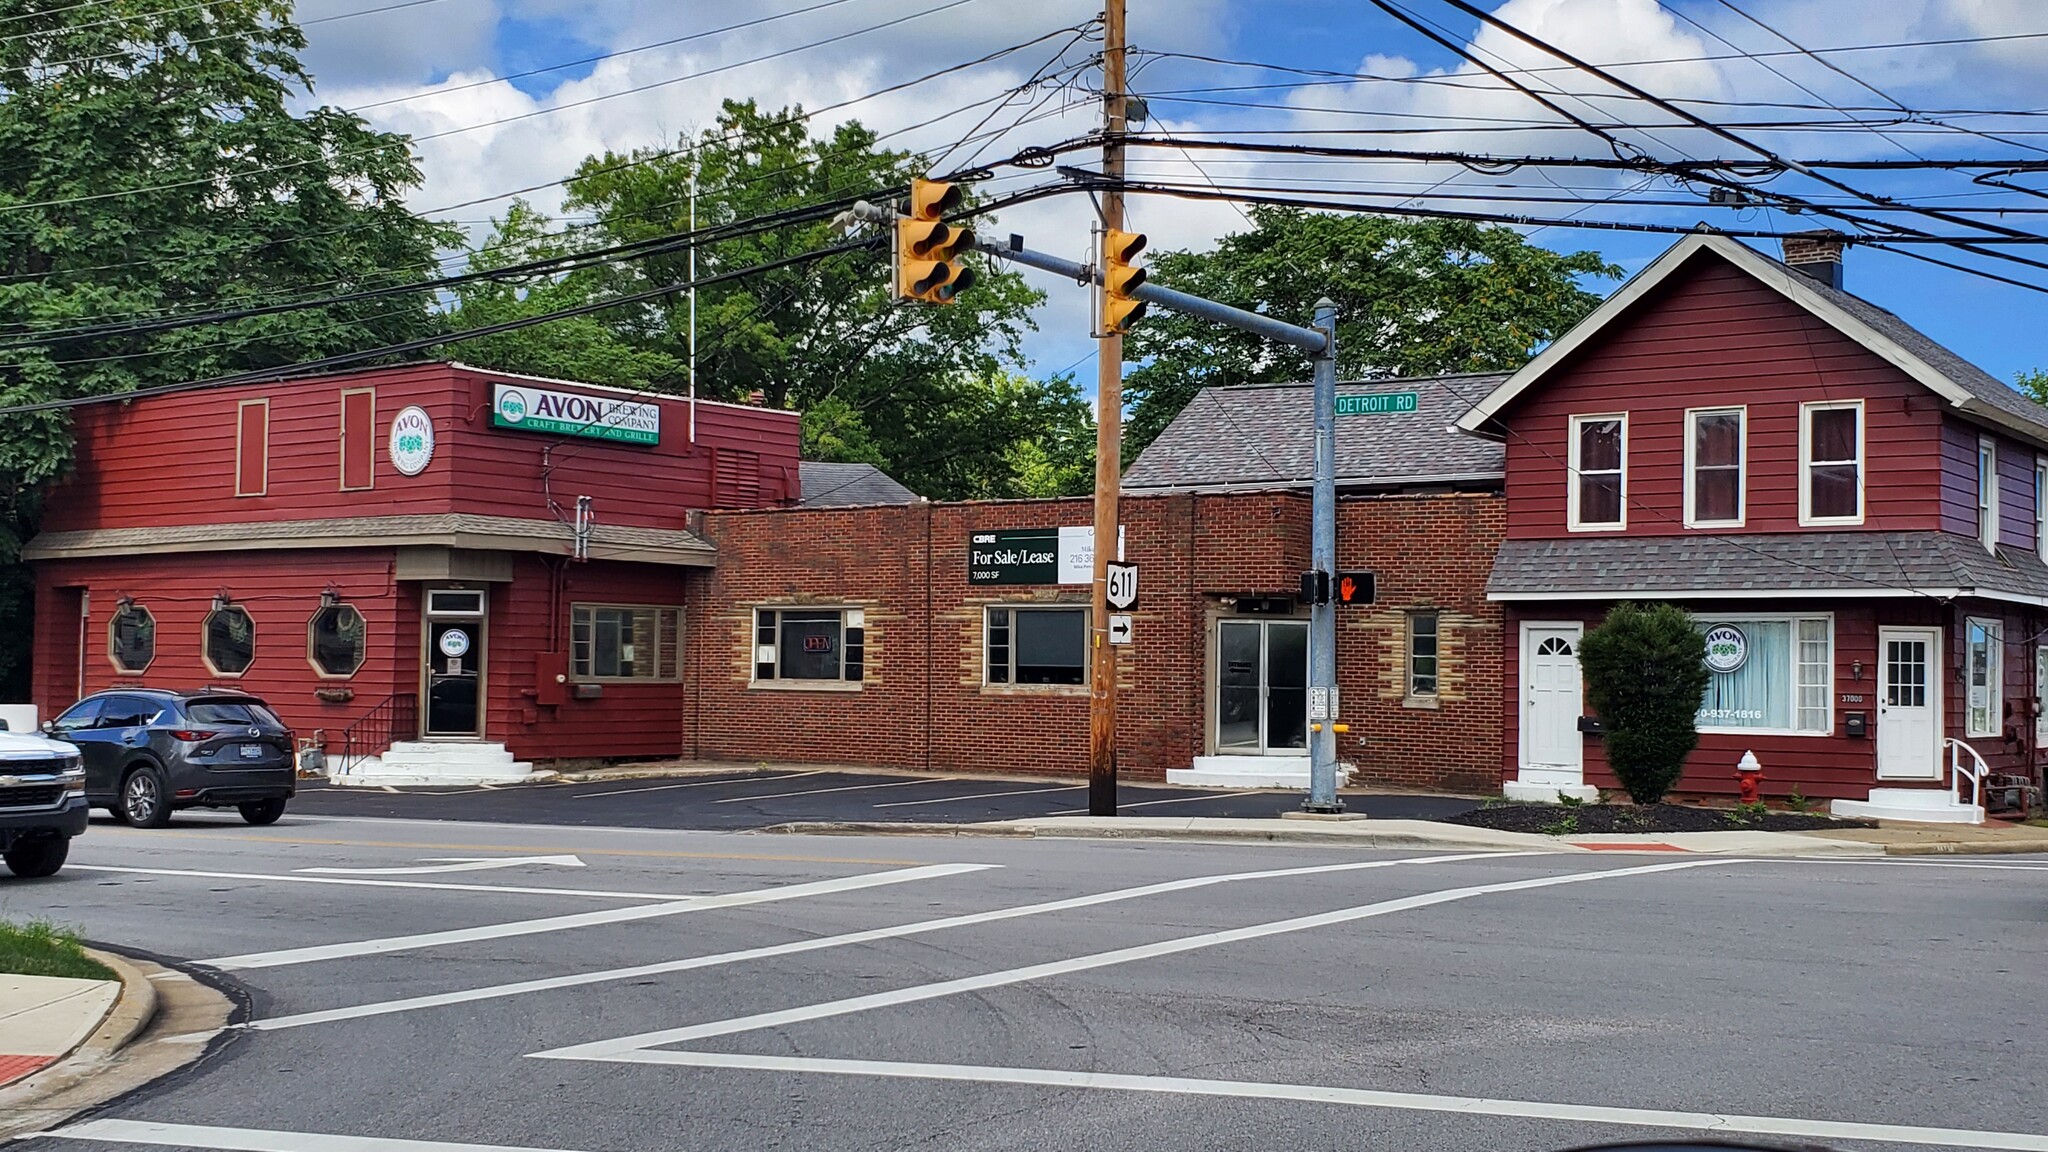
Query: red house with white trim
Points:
[1853, 512]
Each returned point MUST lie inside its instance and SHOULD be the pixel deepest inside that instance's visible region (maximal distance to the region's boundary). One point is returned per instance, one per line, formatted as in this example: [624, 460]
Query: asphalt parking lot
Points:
[741, 800]
[429, 987]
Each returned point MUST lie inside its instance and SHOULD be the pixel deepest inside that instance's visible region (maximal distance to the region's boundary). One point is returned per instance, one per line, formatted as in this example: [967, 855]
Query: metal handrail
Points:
[394, 718]
[1956, 772]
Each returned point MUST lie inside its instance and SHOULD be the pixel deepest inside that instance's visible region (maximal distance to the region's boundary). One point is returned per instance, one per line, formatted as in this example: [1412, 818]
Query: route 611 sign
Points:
[1121, 588]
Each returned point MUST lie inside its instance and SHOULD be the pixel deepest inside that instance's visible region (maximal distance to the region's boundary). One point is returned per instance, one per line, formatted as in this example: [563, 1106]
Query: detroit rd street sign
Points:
[1379, 404]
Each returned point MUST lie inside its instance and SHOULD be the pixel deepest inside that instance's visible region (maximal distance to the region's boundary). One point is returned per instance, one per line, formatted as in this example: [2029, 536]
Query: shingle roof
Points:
[1263, 435]
[1701, 565]
[849, 486]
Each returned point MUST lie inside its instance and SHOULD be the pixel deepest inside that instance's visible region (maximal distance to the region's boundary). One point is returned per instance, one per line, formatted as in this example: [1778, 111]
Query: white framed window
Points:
[1987, 491]
[1035, 645]
[1831, 462]
[2041, 507]
[1770, 674]
[1716, 456]
[1597, 492]
[810, 645]
[1422, 653]
[1983, 647]
[625, 642]
[454, 602]
[337, 641]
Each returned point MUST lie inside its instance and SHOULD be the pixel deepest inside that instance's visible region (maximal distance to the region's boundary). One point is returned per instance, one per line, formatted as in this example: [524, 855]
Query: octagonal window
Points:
[230, 645]
[131, 638]
[336, 640]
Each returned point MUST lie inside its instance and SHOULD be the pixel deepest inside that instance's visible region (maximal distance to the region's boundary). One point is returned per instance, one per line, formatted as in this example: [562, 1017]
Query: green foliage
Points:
[931, 394]
[1645, 677]
[40, 948]
[1797, 801]
[1565, 825]
[152, 166]
[1570, 801]
[1414, 297]
[1751, 812]
[2033, 384]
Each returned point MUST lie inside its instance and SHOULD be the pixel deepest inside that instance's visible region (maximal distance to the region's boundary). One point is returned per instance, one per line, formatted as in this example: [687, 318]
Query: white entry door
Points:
[1908, 704]
[1551, 703]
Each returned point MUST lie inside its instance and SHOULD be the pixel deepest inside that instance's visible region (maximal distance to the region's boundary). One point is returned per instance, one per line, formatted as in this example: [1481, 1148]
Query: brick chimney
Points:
[757, 398]
[1817, 255]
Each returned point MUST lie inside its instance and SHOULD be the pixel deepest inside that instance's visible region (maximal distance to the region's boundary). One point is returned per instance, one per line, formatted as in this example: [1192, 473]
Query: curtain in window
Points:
[1758, 694]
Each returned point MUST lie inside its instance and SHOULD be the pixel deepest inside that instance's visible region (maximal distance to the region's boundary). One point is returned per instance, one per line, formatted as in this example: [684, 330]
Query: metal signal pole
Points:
[1109, 424]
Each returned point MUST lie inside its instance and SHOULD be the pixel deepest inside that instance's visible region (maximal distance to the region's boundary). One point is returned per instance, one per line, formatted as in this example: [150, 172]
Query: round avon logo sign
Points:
[1727, 648]
[412, 441]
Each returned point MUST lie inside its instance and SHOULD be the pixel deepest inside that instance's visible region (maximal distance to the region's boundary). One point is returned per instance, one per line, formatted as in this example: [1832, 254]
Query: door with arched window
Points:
[1551, 700]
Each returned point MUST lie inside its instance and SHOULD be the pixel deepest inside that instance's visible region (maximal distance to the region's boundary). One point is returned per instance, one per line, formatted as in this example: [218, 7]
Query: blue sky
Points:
[435, 59]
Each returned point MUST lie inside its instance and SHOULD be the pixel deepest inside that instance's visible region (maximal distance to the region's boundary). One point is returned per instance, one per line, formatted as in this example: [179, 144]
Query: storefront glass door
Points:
[455, 663]
[1261, 687]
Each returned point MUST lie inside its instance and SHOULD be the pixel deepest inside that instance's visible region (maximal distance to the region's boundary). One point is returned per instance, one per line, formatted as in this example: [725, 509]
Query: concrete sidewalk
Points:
[42, 1018]
[1365, 834]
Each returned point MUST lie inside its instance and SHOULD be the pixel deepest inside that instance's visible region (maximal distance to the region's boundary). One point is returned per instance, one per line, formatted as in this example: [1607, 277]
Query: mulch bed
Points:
[1563, 820]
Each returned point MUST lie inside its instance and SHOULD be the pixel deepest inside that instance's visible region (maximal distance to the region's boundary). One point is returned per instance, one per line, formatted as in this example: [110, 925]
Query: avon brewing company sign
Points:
[524, 408]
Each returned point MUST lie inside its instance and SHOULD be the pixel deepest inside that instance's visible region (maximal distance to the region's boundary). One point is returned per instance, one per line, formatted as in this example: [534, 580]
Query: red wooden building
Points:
[1854, 512]
[391, 553]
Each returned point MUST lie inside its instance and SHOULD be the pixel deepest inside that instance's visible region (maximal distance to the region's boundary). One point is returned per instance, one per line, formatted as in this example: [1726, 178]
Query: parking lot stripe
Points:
[867, 936]
[981, 796]
[259, 1139]
[748, 779]
[1170, 800]
[608, 1049]
[587, 919]
[822, 791]
[1720, 1124]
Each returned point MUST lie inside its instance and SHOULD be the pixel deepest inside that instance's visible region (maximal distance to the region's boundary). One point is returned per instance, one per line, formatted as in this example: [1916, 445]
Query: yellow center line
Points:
[581, 851]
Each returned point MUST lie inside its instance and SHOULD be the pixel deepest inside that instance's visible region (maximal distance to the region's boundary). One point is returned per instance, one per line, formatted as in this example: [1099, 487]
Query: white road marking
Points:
[1718, 1123]
[454, 864]
[1168, 800]
[981, 796]
[867, 936]
[365, 882]
[609, 1049]
[691, 784]
[258, 1139]
[587, 919]
[2021, 866]
[822, 791]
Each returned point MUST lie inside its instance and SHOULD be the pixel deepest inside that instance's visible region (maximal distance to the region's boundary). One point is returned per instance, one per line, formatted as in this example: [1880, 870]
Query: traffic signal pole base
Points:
[1102, 794]
[1313, 811]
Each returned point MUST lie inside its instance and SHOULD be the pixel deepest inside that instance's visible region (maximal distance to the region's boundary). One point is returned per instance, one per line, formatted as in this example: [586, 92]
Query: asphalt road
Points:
[758, 799]
[422, 984]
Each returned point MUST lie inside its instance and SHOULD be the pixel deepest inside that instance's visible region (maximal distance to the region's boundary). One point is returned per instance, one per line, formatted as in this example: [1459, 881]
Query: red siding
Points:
[1711, 336]
[118, 480]
[281, 592]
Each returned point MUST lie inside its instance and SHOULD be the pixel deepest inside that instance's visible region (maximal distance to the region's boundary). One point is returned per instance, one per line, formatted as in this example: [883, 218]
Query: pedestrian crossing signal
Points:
[1354, 588]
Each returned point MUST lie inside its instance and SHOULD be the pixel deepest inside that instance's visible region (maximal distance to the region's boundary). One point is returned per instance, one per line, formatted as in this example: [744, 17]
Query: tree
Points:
[2033, 385]
[150, 166]
[932, 394]
[1414, 297]
[1646, 673]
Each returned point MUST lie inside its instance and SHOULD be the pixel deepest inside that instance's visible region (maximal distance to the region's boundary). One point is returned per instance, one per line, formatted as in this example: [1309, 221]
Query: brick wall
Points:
[924, 703]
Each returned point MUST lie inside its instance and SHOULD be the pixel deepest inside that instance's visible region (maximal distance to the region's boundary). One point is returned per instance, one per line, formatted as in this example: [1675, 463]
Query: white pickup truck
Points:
[42, 802]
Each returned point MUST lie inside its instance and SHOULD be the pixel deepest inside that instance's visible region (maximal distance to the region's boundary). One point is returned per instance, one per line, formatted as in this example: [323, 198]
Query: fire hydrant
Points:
[1749, 775]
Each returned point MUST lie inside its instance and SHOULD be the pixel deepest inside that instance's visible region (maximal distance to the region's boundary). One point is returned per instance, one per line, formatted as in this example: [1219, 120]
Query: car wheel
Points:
[143, 803]
[261, 812]
[35, 859]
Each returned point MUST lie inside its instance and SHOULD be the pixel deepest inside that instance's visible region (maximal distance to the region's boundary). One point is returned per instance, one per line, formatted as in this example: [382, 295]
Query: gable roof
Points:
[1263, 436]
[1967, 388]
[825, 485]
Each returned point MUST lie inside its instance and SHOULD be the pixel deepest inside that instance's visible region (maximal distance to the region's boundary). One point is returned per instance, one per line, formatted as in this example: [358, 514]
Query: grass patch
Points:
[40, 948]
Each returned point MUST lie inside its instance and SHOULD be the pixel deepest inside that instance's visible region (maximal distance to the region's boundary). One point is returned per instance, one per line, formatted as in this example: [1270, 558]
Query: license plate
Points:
[252, 751]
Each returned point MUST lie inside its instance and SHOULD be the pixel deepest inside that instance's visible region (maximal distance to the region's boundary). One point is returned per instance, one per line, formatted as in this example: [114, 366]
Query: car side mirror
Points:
[50, 727]
[4, 726]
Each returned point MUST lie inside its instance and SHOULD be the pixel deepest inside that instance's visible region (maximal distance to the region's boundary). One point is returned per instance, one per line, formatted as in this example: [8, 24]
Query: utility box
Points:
[1853, 724]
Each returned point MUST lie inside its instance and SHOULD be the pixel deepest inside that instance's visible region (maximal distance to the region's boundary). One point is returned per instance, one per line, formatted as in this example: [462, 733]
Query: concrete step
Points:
[426, 762]
[1247, 772]
[1924, 805]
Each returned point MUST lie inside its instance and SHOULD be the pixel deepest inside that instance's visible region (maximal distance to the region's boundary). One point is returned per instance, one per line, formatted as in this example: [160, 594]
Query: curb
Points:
[130, 1014]
[895, 828]
[1276, 835]
[1968, 848]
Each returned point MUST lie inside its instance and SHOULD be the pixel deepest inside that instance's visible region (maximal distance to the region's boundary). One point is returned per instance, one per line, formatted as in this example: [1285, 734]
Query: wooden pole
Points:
[1109, 423]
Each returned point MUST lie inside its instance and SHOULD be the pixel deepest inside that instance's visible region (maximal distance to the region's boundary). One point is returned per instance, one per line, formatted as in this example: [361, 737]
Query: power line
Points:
[407, 142]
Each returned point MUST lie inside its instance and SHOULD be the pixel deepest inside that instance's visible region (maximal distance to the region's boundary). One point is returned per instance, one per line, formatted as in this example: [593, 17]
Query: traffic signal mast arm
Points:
[1307, 339]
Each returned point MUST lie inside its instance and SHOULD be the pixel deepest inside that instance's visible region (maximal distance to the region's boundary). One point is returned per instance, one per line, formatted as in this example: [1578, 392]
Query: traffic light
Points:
[1120, 280]
[1354, 588]
[928, 264]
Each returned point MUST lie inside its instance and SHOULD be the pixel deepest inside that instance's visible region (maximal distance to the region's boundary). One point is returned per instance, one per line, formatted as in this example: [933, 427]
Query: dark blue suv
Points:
[148, 752]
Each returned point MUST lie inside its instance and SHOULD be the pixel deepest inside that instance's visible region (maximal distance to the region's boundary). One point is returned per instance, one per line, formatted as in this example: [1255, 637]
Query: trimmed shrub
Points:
[1646, 674]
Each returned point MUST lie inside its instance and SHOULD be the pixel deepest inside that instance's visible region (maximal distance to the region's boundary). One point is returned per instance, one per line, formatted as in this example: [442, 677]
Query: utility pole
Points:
[1322, 621]
[1109, 426]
